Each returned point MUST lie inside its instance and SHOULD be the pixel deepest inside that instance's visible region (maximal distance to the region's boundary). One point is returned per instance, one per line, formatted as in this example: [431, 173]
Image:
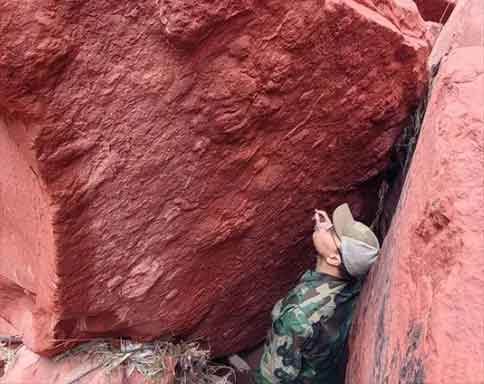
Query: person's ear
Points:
[334, 260]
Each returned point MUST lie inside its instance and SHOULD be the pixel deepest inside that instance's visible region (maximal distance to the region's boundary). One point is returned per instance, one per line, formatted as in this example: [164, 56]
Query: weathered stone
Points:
[419, 319]
[436, 10]
[161, 159]
[464, 29]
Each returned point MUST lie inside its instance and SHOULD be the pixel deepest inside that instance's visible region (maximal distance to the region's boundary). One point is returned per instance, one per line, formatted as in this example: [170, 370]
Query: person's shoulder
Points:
[295, 321]
[298, 293]
[350, 291]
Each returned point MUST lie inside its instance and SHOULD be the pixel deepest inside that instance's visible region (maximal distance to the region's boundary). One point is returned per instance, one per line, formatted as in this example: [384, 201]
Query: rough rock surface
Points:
[162, 158]
[463, 29]
[6, 329]
[420, 316]
[436, 10]
[30, 368]
[433, 30]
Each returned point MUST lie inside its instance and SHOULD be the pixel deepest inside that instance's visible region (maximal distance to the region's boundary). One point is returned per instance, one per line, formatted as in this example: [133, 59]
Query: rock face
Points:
[436, 10]
[161, 159]
[420, 316]
[463, 29]
[32, 368]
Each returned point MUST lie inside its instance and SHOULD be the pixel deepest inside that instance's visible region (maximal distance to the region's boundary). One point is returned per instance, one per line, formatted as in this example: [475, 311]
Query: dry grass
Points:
[8, 354]
[190, 362]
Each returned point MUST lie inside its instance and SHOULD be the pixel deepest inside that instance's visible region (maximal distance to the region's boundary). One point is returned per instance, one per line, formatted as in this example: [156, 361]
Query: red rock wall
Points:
[463, 29]
[26, 234]
[179, 148]
[420, 316]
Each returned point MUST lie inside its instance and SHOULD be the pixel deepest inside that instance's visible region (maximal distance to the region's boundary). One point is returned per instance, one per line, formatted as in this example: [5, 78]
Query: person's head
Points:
[345, 244]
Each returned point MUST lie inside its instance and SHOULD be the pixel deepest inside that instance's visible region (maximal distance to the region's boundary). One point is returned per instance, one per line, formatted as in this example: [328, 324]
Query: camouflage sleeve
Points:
[295, 326]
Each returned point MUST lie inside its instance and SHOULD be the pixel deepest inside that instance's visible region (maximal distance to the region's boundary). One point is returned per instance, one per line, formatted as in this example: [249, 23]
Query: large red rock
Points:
[463, 29]
[161, 159]
[436, 10]
[30, 368]
[420, 317]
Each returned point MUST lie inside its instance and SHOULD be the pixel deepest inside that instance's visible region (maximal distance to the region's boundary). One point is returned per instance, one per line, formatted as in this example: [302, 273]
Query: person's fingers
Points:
[324, 215]
[317, 219]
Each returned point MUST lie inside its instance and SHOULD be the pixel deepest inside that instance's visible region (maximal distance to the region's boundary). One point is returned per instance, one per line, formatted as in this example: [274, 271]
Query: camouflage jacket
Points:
[309, 329]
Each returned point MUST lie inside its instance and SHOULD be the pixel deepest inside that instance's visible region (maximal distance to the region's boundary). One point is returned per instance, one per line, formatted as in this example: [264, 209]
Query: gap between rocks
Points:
[393, 181]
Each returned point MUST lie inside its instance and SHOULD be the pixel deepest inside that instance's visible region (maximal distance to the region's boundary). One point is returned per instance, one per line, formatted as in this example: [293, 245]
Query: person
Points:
[307, 340]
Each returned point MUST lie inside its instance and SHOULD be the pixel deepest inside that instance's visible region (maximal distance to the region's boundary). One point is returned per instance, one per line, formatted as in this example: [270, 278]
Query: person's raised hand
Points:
[322, 238]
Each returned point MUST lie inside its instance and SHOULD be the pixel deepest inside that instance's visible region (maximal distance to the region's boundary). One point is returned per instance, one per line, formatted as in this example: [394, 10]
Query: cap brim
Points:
[342, 219]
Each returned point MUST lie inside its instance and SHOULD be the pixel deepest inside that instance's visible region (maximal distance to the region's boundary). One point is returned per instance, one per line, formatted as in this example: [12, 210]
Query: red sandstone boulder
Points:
[419, 319]
[464, 29]
[30, 368]
[436, 10]
[161, 159]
